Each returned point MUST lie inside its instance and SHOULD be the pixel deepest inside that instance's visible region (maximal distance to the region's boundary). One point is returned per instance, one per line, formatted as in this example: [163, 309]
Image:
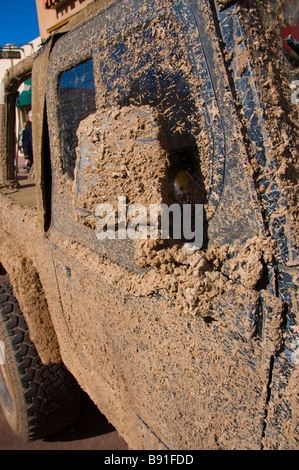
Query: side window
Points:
[160, 74]
[157, 74]
[76, 94]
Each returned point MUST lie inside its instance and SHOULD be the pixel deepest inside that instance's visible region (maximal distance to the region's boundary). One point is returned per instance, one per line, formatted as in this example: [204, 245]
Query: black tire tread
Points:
[51, 396]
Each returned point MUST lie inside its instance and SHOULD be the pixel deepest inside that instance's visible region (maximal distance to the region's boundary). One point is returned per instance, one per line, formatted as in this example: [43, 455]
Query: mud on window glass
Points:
[151, 66]
[76, 95]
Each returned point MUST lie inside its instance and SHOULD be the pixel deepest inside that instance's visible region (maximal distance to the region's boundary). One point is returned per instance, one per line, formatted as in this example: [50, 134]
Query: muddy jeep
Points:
[181, 346]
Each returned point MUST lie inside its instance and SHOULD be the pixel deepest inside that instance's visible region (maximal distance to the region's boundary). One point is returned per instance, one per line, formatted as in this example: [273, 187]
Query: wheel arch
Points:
[29, 291]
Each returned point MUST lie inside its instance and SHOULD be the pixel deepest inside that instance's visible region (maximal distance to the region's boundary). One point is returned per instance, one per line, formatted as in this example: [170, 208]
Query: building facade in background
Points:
[53, 14]
[24, 51]
[15, 54]
[15, 76]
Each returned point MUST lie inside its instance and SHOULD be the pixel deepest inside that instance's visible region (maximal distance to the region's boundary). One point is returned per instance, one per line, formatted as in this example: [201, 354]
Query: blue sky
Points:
[18, 21]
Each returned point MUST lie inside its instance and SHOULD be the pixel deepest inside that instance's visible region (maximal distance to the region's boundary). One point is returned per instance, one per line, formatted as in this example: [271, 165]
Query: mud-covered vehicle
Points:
[181, 346]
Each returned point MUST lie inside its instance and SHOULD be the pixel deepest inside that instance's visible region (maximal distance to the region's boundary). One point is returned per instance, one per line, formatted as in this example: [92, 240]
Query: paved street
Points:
[90, 431]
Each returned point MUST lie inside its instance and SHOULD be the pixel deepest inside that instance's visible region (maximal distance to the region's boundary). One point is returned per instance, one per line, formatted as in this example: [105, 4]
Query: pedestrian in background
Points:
[27, 143]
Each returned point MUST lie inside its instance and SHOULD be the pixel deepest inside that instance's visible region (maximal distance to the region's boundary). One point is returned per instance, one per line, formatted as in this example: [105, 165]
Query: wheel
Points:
[37, 400]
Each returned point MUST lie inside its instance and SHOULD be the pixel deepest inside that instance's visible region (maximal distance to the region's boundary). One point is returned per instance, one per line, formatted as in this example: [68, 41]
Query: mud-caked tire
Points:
[37, 400]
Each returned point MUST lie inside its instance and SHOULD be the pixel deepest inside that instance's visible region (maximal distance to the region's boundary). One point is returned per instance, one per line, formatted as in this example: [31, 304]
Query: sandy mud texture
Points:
[179, 348]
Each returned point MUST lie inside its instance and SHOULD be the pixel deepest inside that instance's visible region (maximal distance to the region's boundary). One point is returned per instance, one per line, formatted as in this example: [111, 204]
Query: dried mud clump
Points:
[194, 279]
[122, 157]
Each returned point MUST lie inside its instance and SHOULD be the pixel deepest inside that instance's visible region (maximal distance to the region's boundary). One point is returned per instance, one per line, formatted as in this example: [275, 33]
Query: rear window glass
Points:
[151, 67]
[76, 95]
